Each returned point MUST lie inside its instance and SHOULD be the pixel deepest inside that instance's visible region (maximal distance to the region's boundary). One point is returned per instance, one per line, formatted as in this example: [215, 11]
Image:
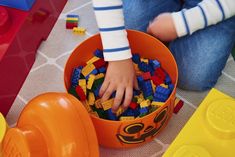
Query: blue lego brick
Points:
[143, 110]
[140, 80]
[102, 70]
[99, 53]
[96, 91]
[171, 87]
[93, 72]
[167, 80]
[163, 91]
[160, 97]
[128, 112]
[155, 64]
[136, 92]
[144, 67]
[147, 89]
[72, 16]
[136, 112]
[111, 115]
[75, 77]
[18, 4]
[136, 58]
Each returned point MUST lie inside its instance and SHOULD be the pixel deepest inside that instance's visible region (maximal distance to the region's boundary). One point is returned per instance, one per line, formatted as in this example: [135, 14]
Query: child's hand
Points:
[163, 27]
[120, 77]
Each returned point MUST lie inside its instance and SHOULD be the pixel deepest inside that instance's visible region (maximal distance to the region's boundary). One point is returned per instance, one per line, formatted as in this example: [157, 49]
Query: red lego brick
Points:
[21, 33]
[146, 76]
[133, 105]
[160, 73]
[80, 93]
[70, 25]
[178, 106]
[156, 80]
[100, 63]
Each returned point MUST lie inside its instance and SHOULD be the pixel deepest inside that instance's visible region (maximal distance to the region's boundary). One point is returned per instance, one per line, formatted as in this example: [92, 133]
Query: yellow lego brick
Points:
[98, 103]
[98, 76]
[82, 83]
[144, 60]
[137, 70]
[87, 106]
[145, 103]
[164, 85]
[90, 81]
[94, 113]
[140, 100]
[153, 86]
[124, 118]
[91, 98]
[79, 30]
[210, 132]
[88, 69]
[72, 19]
[107, 104]
[157, 104]
[119, 111]
[92, 60]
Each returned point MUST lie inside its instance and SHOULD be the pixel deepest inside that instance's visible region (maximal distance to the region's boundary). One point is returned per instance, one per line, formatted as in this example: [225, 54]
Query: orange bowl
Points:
[127, 134]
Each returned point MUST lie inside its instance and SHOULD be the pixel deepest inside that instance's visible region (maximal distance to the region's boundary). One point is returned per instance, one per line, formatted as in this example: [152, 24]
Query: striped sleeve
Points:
[110, 19]
[206, 13]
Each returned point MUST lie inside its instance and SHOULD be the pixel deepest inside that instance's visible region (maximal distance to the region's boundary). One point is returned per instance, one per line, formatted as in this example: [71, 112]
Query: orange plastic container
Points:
[52, 125]
[126, 134]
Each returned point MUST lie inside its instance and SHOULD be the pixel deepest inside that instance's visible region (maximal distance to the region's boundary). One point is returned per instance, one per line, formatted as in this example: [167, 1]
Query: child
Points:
[202, 35]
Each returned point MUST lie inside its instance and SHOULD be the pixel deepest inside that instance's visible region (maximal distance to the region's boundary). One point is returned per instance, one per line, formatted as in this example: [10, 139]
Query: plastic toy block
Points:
[80, 93]
[144, 67]
[160, 97]
[153, 86]
[99, 63]
[98, 103]
[143, 111]
[156, 80]
[126, 118]
[137, 70]
[171, 87]
[160, 73]
[82, 84]
[97, 90]
[164, 85]
[99, 76]
[91, 98]
[72, 16]
[102, 70]
[90, 81]
[119, 111]
[76, 76]
[92, 60]
[150, 98]
[155, 64]
[111, 115]
[88, 69]
[136, 58]
[178, 105]
[21, 5]
[71, 19]
[140, 100]
[147, 89]
[128, 112]
[144, 60]
[146, 76]
[72, 91]
[98, 53]
[71, 25]
[107, 104]
[145, 103]
[20, 47]
[79, 30]
[163, 91]
[140, 81]
[157, 104]
[210, 131]
[133, 105]
[167, 80]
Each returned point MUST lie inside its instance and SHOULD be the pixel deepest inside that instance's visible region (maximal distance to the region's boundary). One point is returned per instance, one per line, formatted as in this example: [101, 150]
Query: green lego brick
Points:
[150, 98]
[72, 91]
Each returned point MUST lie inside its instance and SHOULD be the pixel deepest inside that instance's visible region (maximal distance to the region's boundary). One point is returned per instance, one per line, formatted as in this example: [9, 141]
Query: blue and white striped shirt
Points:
[110, 19]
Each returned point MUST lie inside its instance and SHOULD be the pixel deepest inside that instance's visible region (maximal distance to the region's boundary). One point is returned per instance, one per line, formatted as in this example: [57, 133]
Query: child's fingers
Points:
[108, 93]
[118, 98]
[128, 96]
[103, 88]
[136, 86]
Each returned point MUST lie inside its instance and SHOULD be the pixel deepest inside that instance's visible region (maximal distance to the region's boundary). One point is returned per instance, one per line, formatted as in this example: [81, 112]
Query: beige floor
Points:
[47, 75]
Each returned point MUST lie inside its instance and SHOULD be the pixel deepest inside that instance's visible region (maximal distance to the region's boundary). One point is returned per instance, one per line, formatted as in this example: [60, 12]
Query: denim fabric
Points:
[201, 56]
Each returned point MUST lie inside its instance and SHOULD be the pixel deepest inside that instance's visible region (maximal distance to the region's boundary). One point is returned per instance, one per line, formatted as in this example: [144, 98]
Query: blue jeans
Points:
[201, 56]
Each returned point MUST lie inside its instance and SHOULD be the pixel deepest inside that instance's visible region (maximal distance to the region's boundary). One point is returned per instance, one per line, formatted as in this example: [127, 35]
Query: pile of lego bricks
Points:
[155, 88]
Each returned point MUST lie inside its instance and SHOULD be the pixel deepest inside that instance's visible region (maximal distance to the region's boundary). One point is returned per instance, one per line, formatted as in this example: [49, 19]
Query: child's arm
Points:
[187, 21]
[120, 75]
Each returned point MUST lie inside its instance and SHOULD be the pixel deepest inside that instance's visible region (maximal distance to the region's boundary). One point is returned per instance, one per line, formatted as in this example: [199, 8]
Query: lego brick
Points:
[98, 103]
[143, 111]
[167, 80]
[72, 16]
[157, 104]
[91, 98]
[75, 76]
[79, 30]
[107, 104]
[21, 25]
[126, 118]
[90, 81]
[82, 84]
[160, 97]
[119, 111]
[99, 63]
[71, 19]
[71, 25]
[146, 76]
[88, 69]
[102, 70]
[99, 76]
[111, 115]
[171, 87]
[210, 131]
[21, 5]
[155, 64]
[144, 60]
[144, 67]
[162, 90]
[133, 105]
[98, 53]
[178, 105]
[160, 73]
[80, 93]
[164, 85]
[92, 60]
[156, 80]
[145, 103]
[136, 58]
